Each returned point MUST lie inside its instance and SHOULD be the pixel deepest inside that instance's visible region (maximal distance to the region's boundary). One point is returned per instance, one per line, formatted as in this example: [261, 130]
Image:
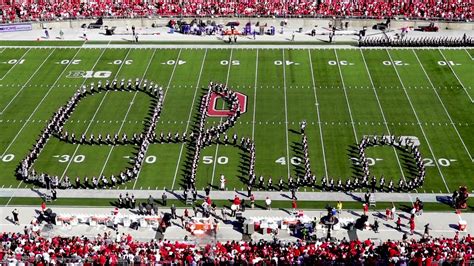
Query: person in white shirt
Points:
[222, 182]
[268, 203]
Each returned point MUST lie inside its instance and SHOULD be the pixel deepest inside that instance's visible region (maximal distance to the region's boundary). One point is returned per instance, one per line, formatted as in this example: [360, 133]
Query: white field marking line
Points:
[220, 122]
[470, 56]
[255, 97]
[164, 96]
[276, 123]
[126, 114]
[317, 111]
[28, 81]
[189, 118]
[31, 115]
[93, 117]
[286, 115]
[444, 107]
[383, 114]
[2, 50]
[452, 70]
[418, 120]
[14, 65]
[347, 98]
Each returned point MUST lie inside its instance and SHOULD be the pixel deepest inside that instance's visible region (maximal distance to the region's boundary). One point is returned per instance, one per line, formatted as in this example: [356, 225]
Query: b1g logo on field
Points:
[214, 112]
[89, 74]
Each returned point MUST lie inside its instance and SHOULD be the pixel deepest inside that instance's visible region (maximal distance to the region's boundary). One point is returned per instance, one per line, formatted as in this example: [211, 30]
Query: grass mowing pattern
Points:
[342, 93]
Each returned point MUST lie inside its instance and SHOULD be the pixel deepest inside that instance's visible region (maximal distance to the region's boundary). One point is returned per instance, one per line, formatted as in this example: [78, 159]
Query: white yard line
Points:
[288, 162]
[470, 56]
[319, 117]
[28, 81]
[223, 105]
[93, 117]
[444, 107]
[382, 112]
[126, 114]
[418, 120]
[255, 98]
[452, 70]
[31, 115]
[164, 96]
[189, 118]
[328, 123]
[347, 98]
[17, 63]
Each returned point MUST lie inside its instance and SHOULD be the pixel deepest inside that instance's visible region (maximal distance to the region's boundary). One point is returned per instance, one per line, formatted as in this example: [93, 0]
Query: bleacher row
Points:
[112, 249]
[444, 10]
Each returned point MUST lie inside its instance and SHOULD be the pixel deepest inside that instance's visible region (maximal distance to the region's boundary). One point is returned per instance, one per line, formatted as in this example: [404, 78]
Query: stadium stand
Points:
[461, 10]
[114, 248]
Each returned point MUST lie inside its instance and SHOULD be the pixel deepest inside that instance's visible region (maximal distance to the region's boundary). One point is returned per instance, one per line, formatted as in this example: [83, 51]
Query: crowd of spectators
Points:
[433, 9]
[113, 248]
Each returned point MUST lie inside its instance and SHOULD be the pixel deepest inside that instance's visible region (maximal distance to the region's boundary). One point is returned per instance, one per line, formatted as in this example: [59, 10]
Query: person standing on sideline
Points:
[268, 203]
[43, 207]
[293, 193]
[173, 211]
[224, 214]
[15, 214]
[150, 200]
[252, 201]
[394, 209]
[133, 202]
[388, 214]
[294, 205]
[375, 226]
[367, 197]
[399, 224]
[365, 206]
[339, 207]
[412, 225]
[222, 179]
[164, 198]
[427, 230]
[53, 194]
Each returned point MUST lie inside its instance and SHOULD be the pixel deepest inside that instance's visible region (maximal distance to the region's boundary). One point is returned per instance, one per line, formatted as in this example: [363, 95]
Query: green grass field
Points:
[343, 94]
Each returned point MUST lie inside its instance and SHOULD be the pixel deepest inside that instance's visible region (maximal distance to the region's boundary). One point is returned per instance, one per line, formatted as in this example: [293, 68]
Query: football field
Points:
[342, 94]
